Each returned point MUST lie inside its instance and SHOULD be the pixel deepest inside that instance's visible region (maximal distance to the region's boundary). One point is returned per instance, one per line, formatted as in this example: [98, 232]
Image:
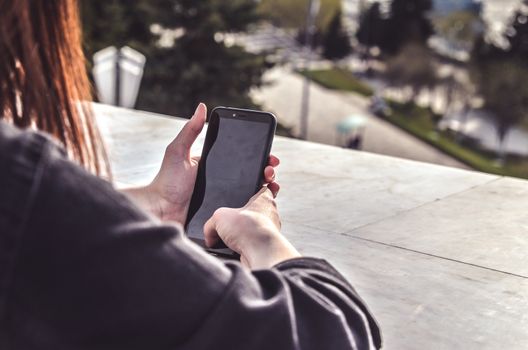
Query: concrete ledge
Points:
[440, 254]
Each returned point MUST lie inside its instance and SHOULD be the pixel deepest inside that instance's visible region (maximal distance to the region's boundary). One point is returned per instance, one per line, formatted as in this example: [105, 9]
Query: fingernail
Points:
[200, 105]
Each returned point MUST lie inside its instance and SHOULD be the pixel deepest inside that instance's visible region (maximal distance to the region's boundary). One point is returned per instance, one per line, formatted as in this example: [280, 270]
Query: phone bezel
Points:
[210, 138]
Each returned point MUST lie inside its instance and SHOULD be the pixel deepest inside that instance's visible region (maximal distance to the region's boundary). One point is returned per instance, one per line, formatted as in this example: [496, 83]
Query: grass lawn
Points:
[338, 79]
[419, 122]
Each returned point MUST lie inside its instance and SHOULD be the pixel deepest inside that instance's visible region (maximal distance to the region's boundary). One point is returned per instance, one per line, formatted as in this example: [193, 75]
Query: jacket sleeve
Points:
[93, 271]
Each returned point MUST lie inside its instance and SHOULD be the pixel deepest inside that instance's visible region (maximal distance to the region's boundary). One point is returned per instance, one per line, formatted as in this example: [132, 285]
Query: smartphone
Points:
[231, 170]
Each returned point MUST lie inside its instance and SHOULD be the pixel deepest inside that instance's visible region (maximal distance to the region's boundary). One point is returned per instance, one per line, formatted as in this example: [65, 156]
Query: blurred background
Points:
[440, 81]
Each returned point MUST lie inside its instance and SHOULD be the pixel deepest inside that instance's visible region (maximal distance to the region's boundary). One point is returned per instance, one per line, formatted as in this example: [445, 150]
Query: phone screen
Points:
[235, 150]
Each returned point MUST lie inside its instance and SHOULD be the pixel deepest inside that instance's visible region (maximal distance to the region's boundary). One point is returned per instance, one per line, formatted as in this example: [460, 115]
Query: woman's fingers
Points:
[273, 160]
[269, 171]
[274, 188]
[269, 174]
[210, 233]
[219, 227]
[185, 139]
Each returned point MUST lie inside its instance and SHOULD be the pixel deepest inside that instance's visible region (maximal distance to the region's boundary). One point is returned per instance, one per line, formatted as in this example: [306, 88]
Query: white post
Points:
[117, 74]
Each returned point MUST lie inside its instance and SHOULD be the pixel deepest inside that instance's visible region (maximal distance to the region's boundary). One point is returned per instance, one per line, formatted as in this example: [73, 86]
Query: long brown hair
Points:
[43, 78]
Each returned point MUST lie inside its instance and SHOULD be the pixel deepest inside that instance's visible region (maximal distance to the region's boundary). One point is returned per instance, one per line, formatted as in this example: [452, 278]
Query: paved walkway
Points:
[328, 107]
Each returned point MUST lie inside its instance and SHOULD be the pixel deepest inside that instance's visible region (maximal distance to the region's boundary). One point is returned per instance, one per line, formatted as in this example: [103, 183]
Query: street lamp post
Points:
[117, 95]
[117, 74]
[313, 9]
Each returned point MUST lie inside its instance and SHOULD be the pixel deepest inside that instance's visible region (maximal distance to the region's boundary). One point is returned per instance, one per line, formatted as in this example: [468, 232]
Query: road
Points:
[327, 108]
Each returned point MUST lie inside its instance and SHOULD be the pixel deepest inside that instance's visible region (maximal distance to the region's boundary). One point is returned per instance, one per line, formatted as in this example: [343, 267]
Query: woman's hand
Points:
[169, 195]
[252, 231]
[173, 185]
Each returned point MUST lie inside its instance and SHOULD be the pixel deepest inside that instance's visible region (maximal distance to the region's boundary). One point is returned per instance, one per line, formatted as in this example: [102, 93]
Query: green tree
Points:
[371, 27]
[114, 22]
[460, 27]
[199, 66]
[503, 86]
[500, 75]
[408, 23]
[292, 13]
[371, 30]
[517, 36]
[413, 67]
[336, 43]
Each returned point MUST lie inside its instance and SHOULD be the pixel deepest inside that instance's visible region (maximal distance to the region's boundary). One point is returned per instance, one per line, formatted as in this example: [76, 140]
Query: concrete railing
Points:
[439, 254]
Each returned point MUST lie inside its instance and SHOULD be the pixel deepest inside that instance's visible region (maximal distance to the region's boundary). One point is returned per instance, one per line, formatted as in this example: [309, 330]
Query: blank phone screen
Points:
[231, 169]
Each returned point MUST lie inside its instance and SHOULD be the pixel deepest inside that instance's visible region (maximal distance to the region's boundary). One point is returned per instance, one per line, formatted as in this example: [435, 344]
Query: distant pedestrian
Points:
[355, 142]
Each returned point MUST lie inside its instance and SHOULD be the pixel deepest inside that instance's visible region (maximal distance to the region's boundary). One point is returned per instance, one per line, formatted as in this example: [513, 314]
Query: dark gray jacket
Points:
[81, 267]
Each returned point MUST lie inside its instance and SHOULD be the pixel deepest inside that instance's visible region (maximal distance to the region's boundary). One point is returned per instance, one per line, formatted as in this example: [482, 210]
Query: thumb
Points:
[210, 234]
[219, 227]
[183, 142]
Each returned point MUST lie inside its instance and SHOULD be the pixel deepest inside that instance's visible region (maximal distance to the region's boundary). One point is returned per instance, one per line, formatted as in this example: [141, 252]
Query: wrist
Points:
[164, 209]
[150, 199]
[144, 198]
[270, 249]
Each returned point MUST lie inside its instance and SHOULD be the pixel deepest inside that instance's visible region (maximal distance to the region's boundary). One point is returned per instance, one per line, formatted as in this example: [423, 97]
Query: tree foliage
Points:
[114, 23]
[407, 22]
[413, 67]
[505, 94]
[500, 75]
[371, 26]
[198, 67]
[336, 43]
[292, 13]
[460, 27]
[517, 36]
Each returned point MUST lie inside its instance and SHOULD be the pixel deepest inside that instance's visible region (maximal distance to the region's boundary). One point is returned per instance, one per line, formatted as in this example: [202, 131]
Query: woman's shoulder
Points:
[10, 134]
[17, 143]
[22, 155]
[23, 148]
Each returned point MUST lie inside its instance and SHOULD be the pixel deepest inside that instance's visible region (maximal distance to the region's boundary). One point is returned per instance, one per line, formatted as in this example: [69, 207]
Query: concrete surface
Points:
[439, 254]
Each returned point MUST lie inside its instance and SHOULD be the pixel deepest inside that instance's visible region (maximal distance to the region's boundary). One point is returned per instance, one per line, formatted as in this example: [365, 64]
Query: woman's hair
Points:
[43, 79]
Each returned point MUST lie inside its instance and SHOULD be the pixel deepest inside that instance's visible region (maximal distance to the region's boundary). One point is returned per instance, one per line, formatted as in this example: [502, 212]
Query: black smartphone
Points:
[231, 170]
